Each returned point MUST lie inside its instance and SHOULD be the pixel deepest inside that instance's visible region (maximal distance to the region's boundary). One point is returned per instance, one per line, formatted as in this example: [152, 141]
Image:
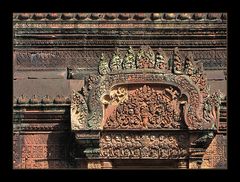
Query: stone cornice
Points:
[119, 17]
[37, 101]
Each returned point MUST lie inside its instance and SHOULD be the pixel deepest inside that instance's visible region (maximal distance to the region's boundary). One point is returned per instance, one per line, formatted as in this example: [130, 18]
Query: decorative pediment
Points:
[146, 90]
[145, 105]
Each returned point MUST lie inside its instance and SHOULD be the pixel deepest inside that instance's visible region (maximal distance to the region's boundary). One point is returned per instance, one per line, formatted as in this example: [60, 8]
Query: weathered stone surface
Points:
[41, 87]
[215, 75]
[31, 74]
[219, 85]
[120, 16]
[56, 53]
[153, 102]
[44, 151]
[216, 154]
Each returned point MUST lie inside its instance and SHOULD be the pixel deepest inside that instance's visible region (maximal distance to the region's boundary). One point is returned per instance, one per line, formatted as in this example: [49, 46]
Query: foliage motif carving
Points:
[216, 154]
[129, 61]
[177, 62]
[103, 65]
[145, 58]
[147, 108]
[79, 111]
[40, 151]
[161, 60]
[116, 61]
[86, 108]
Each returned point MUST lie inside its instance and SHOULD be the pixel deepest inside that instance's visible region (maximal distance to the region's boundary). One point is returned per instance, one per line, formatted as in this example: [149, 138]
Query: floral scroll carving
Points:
[143, 146]
[79, 111]
[86, 110]
[147, 108]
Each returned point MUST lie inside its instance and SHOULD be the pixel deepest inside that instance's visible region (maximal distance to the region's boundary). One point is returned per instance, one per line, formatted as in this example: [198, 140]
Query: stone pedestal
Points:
[182, 165]
[94, 164]
[98, 164]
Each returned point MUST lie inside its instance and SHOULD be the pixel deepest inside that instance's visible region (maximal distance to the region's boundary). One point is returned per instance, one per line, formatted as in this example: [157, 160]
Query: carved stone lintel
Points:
[195, 164]
[107, 165]
[142, 146]
[99, 164]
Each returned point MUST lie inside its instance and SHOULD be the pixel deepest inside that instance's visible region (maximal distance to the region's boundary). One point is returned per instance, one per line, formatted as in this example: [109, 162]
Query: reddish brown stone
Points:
[44, 47]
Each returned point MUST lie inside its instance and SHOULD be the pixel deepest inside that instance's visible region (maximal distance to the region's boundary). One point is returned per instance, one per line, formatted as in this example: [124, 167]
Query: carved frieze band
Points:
[36, 100]
[118, 16]
[143, 146]
[211, 59]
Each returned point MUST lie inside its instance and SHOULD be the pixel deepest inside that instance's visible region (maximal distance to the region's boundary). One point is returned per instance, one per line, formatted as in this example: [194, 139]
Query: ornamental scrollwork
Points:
[86, 107]
[147, 108]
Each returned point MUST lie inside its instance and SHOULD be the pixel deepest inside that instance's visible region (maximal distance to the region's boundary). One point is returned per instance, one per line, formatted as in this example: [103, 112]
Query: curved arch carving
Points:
[182, 85]
[157, 74]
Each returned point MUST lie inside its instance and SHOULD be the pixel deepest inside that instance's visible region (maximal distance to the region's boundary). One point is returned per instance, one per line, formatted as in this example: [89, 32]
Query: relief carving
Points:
[145, 58]
[147, 108]
[79, 111]
[116, 96]
[129, 61]
[189, 66]
[143, 146]
[161, 60]
[211, 108]
[116, 61]
[94, 165]
[86, 106]
[103, 65]
[177, 62]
